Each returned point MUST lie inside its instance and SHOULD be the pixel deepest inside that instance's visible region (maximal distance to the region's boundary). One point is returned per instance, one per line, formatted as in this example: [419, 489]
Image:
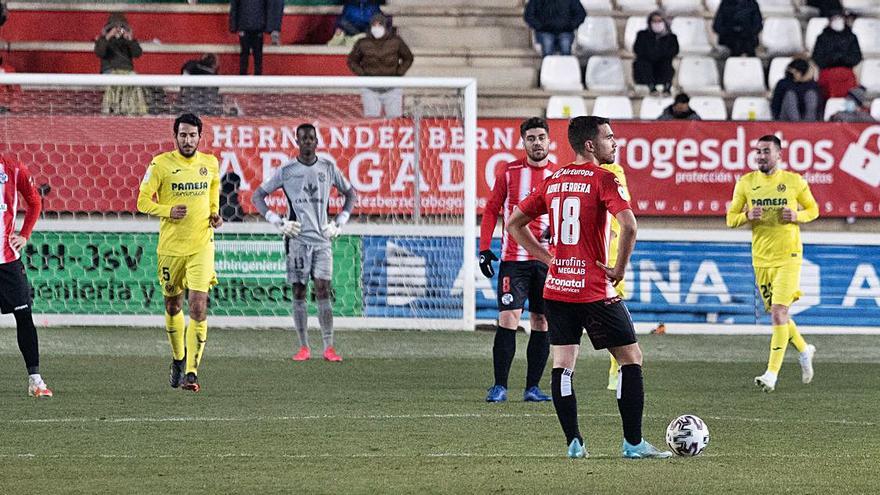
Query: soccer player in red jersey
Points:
[15, 291]
[520, 275]
[579, 291]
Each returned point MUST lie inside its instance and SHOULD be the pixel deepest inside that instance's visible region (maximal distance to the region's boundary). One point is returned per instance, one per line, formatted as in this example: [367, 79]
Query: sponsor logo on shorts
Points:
[3, 178]
[507, 299]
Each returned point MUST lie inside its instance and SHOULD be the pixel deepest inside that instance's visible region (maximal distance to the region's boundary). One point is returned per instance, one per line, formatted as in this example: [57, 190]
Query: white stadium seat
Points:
[712, 5]
[749, 107]
[870, 75]
[862, 6]
[692, 33]
[565, 107]
[709, 107]
[698, 74]
[776, 7]
[868, 32]
[597, 6]
[777, 71]
[677, 7]
[833, 105]
[605, 74]
[653, 106]
[634, 24]
[782, 36]
[743, 75]
[561, 73]
[598, 34]
[814, 28]
[637, 6]
[613, 107]
[875, 109]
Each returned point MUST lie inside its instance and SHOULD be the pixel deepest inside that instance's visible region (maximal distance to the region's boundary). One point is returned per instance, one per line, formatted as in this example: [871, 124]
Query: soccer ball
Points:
[687, 435]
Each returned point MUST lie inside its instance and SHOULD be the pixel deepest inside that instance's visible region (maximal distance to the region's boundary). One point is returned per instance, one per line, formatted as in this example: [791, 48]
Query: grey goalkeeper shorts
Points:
[307, 261]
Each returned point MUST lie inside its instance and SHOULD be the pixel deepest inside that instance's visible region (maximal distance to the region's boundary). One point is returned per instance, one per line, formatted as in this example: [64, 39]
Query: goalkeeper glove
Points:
[289, 228]
[331, 230]
[486, 259]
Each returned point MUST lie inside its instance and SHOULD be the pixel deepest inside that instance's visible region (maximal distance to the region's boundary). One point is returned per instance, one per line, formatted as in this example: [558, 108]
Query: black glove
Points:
[486, 259]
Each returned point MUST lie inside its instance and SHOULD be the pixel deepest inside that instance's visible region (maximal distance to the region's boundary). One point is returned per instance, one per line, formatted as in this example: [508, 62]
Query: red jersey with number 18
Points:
[580, 199]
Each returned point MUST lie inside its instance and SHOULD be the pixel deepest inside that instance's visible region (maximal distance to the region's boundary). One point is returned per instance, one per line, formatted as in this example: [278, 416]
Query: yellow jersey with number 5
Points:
[172, 179]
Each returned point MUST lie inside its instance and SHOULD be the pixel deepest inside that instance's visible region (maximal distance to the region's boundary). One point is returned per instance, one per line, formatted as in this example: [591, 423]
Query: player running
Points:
[774, 203]
[520, 275]
[306, 182]
[579, 291]
[186, 186]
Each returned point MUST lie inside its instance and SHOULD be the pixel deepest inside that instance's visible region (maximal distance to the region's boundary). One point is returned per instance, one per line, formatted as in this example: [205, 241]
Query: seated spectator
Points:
[797, 97]
[381, 53]
[856, 109]
[738, 23]
[354, 22]
[200, 99]
[825, 7]
[680, 109]
[117, 48]
[555, 22]
[655, 48]
[836, 52]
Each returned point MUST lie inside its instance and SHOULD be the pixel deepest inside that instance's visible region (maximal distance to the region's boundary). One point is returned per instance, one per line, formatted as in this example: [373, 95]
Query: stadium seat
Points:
[613, 107]
[777, 71]
[814, 28]
[863, 7]
[751, 108]
[782, 36]
[598, 34]
[744, 75]
[561, 73]
[653, 106]
[776, 7]
[597, 6]
[868, 32]
[678, 7]
[566, 107]
[698, 74]
[634, 24]
[709, 107]
[712, 6]
[693, 37]
[833, 105]
[605, 74]
[869, 77]
[875, 109]
[637, 6]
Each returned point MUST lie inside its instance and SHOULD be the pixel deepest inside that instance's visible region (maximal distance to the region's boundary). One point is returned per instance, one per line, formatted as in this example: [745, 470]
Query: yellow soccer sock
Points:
[175, 328]
[196, 336]
[778, 343]
[795, 337]
[612, 370]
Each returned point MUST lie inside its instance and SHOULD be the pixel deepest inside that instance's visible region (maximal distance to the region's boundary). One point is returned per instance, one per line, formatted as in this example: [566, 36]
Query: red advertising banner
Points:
[95, 164]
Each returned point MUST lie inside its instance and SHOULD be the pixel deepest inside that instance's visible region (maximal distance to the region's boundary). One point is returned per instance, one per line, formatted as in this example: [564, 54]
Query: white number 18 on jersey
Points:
[569, 232]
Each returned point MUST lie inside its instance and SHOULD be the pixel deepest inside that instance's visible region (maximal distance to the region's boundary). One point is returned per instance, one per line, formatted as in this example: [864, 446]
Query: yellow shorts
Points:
[195, 272]
[779, 284]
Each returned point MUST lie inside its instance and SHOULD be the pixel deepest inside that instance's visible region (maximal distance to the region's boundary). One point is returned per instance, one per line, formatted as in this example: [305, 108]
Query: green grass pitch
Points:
[404, 413]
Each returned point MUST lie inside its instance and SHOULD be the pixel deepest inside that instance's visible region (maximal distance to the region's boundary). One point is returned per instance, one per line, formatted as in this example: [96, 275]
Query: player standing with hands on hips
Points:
[182, 188]
[306, 182]
[520, 275]
[769, 200]
[579, 292]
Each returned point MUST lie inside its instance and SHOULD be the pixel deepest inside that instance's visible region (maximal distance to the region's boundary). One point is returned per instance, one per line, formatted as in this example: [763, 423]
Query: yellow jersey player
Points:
[182, 188]
[617, 170]
[774, 203]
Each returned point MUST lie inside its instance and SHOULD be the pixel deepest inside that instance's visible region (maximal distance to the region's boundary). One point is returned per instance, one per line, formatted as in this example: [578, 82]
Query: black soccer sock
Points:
[565, 403]
[631, 402]
[536, 352]
[27, 340]
[502, 353]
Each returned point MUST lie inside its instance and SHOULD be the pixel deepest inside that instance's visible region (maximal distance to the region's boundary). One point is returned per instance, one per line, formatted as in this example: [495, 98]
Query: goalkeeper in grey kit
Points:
[307, 230]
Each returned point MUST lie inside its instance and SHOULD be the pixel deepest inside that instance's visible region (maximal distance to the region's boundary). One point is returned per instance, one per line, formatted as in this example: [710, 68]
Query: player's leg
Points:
[298, 278]
[565, 324]
[765, 278]
[322, 273]
[15, 298]
[786, 290]
[512, 291]
[538, 349]
[171, 270]
[613, 373]
[200, 277]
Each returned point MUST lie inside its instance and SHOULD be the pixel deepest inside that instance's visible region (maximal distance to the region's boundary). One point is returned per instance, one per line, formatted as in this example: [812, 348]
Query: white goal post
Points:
[58, 126]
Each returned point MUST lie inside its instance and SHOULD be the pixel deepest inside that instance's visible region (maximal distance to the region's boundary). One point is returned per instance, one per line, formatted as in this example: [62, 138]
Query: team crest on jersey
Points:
[3, 178]
[203, 171]
[321, 177]
[780, 188]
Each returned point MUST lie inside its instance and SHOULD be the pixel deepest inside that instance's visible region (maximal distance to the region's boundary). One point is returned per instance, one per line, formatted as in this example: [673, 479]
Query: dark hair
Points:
[533, 123]
[188, 118]
[304, 128]
[583, 129]
[682, 98]
[770, 138]
[799, 65]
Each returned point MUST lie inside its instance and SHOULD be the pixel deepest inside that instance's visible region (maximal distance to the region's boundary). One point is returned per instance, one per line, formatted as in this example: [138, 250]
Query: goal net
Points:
[404, 260]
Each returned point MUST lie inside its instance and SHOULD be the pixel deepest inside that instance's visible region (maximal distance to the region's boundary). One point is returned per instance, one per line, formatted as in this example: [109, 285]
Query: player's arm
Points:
[518, 227]
[34, 205]
[333, 228]
[809, 208]
[490, 219]
[215, 219]
[289, 228]
[149, 189]
[735, 214]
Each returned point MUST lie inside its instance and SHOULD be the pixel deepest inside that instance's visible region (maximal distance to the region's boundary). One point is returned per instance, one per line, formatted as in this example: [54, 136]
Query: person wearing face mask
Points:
[382, 53]
[797, 97]
[836, 52]
[655, 48]
[554, 22]
[738, 23]
[855, 108]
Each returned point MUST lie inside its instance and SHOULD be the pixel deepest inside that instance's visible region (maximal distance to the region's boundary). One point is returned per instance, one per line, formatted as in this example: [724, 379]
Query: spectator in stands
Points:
[825, 7]
[250, 19]
[797, 97]
[381, 53]
[836, 52]
[354, 22]
[655, 47]
[738, 23]
[555, 22]
[856, 107]
[201, 100]
[8, 92]
[680, 109]
[117, 48]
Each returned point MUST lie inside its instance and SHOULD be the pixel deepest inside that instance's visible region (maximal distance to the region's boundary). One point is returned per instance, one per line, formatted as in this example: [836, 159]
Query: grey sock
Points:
[325, 318]
[301, 321]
